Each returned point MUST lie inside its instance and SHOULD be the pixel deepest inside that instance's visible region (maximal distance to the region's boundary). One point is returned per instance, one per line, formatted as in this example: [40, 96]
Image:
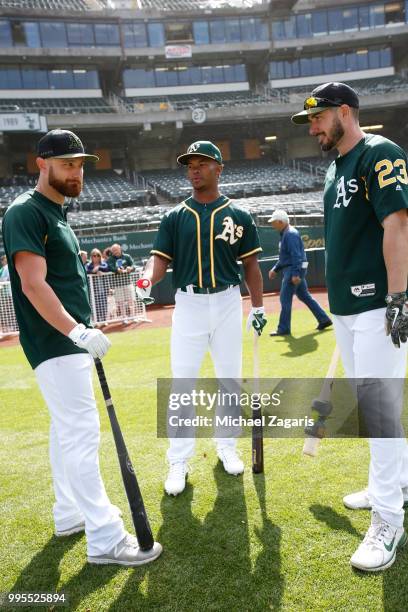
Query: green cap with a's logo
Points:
[204, 148]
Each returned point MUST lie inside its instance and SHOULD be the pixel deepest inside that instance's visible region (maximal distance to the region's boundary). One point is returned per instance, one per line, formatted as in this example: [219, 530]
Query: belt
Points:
[205, 290]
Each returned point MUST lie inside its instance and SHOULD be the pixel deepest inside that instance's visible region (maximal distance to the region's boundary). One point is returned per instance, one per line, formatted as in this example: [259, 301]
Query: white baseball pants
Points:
[200, 323]
[66, 385]
[367, 352]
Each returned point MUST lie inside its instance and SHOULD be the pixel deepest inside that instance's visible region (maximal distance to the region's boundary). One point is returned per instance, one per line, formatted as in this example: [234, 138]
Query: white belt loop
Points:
[189, 288]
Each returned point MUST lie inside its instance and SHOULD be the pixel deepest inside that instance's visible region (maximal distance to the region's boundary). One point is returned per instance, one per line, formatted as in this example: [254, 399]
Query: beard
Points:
[336, 133]
[67, 188]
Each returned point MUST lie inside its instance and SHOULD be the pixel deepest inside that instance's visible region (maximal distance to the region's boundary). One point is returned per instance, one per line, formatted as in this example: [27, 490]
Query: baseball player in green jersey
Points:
[203, 238]
[366, 232]
[51, 301]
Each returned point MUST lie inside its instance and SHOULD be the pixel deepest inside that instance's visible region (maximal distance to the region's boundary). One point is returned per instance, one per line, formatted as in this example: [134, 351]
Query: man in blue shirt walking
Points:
[293, 263]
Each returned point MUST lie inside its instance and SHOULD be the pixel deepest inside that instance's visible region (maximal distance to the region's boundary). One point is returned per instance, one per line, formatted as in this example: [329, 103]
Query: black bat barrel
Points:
[140, 521]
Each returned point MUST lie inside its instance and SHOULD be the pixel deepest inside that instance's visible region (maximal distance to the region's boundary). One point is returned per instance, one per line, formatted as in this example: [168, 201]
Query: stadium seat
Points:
[54, 5]
[249, 178]
[203, 100]
[103, 189]
[57, 106]
[187, 5]
[364, 87]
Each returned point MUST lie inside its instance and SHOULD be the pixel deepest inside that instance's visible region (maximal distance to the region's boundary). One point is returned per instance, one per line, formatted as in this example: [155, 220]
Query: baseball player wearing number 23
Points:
[366, 232]
[203, 238]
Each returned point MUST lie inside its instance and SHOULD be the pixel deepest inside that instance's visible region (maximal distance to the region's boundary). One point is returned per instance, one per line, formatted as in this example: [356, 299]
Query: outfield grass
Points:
[278, 541]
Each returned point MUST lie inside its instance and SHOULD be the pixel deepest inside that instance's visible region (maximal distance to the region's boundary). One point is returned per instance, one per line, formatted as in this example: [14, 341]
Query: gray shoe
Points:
[62, 533]
[127, 552]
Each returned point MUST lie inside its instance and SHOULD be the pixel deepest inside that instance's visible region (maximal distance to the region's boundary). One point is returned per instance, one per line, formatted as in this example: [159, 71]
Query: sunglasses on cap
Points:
[313, 102]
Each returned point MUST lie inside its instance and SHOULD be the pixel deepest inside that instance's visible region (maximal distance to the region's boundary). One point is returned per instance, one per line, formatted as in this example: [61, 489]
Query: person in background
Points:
[122, 264]
[293, 263]
[84, 257]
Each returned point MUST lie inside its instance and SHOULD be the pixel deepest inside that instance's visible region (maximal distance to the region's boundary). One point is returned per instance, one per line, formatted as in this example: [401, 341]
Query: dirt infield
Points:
[160, 316]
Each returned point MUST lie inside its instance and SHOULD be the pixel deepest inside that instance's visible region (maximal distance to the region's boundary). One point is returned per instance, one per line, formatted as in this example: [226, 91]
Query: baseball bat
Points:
[139, 517]
[257, 430]
[321, 408]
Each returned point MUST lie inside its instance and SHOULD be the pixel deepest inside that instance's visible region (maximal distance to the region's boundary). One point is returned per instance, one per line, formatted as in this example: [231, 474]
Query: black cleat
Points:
[278, 333]
[325, 324]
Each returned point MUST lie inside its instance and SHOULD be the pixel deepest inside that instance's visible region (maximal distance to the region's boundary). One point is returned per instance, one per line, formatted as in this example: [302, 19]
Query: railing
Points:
[113, 300]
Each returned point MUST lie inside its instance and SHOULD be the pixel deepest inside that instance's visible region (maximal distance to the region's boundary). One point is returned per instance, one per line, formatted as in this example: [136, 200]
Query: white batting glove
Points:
[92, 340]
[143, 289]
[256, 320]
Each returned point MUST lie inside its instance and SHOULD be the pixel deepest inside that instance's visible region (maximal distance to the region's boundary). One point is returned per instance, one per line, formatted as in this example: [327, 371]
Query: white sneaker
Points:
[361, 500]
[127, 552]
[378, 549]
[176, 478]
[357, 501]
[62, 533]
[230, 460]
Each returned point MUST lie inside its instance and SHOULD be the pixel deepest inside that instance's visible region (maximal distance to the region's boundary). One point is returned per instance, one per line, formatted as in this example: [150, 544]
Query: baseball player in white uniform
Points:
[203, 238]
[366, 233]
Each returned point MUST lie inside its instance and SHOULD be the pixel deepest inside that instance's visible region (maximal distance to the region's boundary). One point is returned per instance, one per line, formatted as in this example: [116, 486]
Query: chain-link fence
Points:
[113, 300]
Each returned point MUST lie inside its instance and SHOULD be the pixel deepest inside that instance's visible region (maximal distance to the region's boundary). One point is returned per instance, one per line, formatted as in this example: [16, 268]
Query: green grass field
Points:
[278, 541]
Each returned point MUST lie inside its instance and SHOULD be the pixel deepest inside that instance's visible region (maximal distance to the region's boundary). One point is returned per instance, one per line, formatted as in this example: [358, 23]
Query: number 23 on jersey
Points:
[385, 169]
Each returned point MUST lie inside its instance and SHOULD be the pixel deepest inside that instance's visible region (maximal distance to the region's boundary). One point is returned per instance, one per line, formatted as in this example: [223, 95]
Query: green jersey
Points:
[362, 188]
[204, 242]
[36, 224]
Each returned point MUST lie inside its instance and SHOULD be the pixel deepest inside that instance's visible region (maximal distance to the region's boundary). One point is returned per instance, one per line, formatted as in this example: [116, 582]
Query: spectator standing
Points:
[293, 263]
[122, 264]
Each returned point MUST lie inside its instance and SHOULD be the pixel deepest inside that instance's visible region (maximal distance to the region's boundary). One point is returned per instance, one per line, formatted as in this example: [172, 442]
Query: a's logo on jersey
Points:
[232, 232]
[343, 190]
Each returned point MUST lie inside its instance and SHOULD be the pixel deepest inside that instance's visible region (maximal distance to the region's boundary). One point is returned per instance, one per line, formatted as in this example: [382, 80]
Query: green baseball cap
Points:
[203, 148]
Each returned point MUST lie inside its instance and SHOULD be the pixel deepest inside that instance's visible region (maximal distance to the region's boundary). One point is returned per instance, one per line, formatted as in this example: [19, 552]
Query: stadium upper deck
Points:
[151, 76]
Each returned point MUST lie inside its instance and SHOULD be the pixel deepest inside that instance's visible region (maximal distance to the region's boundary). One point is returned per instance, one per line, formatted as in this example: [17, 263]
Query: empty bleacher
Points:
[244, 178]
[56, 106]
[53, 5]
[364, 87]
[148, 217]
[202, 100]
[106, 189]
[199, 5]
[297, 205]
[102, 190]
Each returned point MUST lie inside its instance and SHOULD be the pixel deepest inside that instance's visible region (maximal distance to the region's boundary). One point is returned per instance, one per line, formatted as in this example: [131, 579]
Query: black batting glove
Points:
[396, 317]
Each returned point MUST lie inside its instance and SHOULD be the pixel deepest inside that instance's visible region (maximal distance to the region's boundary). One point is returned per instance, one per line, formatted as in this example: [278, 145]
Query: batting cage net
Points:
[113, 300]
